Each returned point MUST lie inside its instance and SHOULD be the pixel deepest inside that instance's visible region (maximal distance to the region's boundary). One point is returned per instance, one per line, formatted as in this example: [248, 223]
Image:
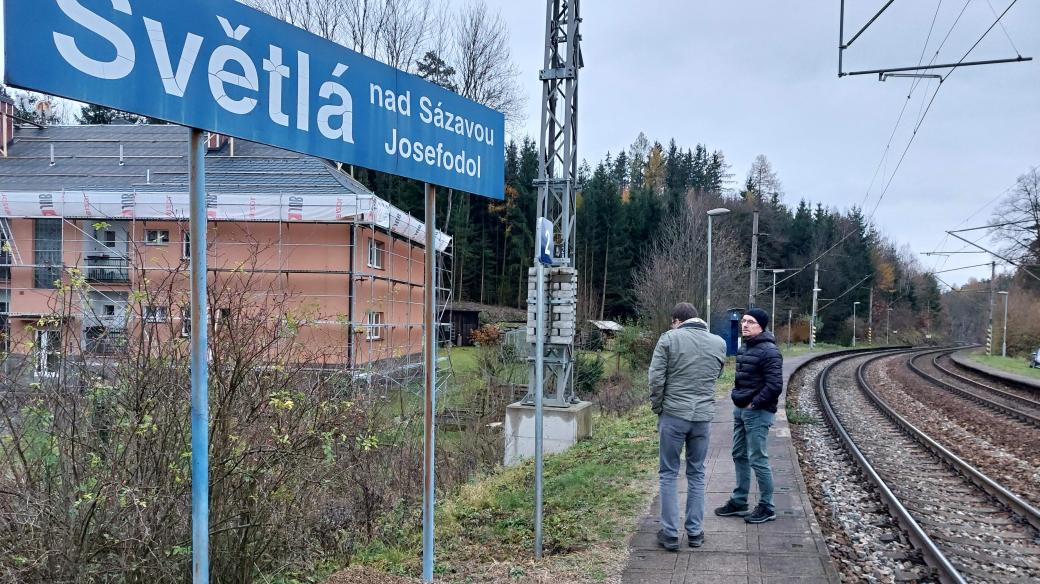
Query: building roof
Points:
[94, 167]
[606, 325]
[492, 312]
[155, 159]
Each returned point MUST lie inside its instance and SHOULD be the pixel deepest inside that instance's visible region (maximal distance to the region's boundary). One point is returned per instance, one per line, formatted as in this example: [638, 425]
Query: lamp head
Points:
[718, 211]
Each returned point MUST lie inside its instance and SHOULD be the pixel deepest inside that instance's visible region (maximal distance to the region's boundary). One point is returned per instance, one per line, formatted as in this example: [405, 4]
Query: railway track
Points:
[1010, 404]
[968, 527]
[1002, 387]
[961, 364]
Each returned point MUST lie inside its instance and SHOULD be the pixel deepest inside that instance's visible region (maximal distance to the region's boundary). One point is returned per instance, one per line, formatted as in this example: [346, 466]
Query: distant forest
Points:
[629, 209]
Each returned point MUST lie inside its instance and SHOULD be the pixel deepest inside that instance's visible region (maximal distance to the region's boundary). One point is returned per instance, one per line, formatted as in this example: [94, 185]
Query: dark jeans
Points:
[675, 433]
[750, 434]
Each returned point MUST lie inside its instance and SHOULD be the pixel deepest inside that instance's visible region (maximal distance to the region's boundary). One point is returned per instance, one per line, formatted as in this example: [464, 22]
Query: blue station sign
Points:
[221, 66]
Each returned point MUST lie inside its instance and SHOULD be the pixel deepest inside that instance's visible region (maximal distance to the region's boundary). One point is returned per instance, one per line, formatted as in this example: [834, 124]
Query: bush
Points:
[588, 370]
[637, 344]
[618, 395]
[95, 463]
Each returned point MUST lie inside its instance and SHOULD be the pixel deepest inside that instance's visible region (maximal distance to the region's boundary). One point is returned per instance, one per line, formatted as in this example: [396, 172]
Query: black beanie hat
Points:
[759, 315]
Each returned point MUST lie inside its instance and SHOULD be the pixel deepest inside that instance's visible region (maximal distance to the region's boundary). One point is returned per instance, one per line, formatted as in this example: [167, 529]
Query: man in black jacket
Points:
[757, 388]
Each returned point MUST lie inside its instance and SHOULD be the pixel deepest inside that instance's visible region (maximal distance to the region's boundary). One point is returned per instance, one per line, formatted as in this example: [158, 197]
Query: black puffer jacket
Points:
[760, 377]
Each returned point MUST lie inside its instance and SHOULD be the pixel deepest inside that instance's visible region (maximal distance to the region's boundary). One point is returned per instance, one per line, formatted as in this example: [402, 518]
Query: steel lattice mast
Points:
[557, 186]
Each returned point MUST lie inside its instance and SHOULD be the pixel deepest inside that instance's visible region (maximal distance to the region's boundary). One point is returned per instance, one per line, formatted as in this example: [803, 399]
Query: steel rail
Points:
[931, 553]
[1022, 400]
[999, 407]
[995, 489]
[963, 363]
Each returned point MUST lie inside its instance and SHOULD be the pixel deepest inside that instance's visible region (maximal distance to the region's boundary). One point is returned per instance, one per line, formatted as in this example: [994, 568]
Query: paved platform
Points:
[790, 550]
[961, 358]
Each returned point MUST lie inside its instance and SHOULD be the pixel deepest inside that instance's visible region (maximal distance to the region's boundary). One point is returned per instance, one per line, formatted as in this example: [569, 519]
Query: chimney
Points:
[7, 121]
[215, 142]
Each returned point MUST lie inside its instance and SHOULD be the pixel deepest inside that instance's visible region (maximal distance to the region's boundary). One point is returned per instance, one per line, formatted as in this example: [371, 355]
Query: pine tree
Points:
[435, 70]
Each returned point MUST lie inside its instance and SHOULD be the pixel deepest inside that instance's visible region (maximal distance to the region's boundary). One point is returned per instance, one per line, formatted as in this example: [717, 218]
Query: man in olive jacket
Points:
[756, 389]
[686, 362]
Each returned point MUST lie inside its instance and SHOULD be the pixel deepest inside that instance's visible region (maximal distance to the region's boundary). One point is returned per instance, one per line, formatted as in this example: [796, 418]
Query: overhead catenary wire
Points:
[988, 203]
[1024, 268]
[848, 291]
[961, 268]
[920, 121]
[895, 128]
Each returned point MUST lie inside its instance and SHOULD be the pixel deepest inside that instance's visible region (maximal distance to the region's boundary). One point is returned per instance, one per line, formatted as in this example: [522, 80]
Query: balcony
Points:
[105, 341]
[103, 269]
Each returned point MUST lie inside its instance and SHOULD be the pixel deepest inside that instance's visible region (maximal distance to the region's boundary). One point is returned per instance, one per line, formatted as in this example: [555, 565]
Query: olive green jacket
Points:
[686, 363]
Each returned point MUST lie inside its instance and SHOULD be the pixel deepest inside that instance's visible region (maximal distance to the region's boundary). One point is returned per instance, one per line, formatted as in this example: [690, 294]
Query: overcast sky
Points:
[753, 77]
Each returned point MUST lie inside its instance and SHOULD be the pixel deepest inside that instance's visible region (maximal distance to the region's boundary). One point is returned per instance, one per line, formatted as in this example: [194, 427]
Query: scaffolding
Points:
[355, 282]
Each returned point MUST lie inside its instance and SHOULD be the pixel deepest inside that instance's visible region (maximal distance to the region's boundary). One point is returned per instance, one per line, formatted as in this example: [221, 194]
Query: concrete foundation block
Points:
[562, 428]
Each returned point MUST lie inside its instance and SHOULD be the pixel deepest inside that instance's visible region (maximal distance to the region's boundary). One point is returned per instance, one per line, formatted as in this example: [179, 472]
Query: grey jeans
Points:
[676, 433]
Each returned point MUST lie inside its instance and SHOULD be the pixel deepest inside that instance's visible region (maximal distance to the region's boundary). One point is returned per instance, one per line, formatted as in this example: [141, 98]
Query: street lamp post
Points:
[789, 328]
[1003, 345]
[854, 323]
[775, 272]
[711, 214]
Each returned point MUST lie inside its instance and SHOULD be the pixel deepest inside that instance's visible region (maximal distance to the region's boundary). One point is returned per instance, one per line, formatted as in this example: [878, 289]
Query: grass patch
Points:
[724, 384]
[1018, 366]
[593, 495]
[799, 349]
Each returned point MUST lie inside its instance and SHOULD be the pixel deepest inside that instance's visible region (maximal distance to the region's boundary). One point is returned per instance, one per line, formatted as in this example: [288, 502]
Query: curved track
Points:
[966, 525]
[1002, 386]
[927, 365]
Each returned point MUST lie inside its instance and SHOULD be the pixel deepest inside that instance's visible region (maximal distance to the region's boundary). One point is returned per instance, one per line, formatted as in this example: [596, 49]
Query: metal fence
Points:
[517, 339]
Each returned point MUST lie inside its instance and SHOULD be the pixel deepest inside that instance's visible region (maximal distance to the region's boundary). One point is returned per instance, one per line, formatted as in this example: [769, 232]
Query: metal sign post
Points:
[199, 364]
[222, 66]
[543, 257]
[430, 358]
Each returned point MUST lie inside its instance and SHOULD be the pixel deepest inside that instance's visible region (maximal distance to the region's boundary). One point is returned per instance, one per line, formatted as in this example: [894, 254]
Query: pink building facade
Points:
[95, 246]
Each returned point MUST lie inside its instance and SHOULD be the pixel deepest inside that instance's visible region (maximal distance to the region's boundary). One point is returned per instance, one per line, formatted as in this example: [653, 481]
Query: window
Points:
[48, 352]
[186, 246]
[5, 332]
[109, 238]
[156, 237]
[108, 310]
[220, 317]
[5, 257]
[186, 321]
[47, 253]
[156, 314]
[376, 254]
[374, 328]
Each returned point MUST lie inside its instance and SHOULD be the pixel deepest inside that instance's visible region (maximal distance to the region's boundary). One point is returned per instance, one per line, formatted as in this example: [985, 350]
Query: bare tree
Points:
[321, 17]
[406, 28]
[1020, 239]
[677, 268]
[363, 21]
[763, 182]
[486, 73]
[471, 43]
